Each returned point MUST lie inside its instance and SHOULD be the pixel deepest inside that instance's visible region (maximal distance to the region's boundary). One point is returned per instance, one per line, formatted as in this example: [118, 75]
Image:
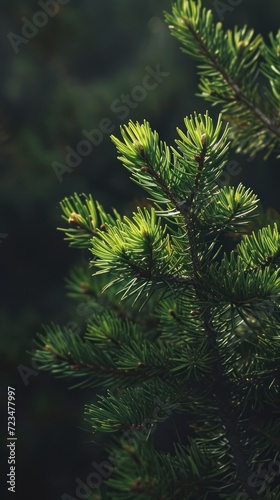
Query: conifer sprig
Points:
[229, 62]
[84, 217]
[172, 175]
[207, 335]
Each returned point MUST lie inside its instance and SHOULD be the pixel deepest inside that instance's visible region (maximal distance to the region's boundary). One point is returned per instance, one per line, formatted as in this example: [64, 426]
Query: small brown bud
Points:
[74, 219]
[50, 349]
[197, 158]
[102, 227]
[84, 288]
[144, 169]
[194, 313]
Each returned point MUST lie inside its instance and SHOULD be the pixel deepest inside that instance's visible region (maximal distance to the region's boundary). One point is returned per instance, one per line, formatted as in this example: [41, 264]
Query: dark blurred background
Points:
[70, 74]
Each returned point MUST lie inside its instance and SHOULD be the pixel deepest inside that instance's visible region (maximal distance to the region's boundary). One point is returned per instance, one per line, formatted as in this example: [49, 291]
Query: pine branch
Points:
[238, 94]
[205, 342]
[67, 355]
[195, 147]
[229, 68]
[84, 217]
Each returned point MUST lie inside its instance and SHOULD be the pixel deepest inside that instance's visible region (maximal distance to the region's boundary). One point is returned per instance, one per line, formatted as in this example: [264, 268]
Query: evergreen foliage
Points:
[230, 63]
[180, 325]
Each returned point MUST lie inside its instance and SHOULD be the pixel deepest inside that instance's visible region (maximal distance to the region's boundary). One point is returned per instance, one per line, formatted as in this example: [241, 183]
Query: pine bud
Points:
[84, 288]
[50, 349]
[194, 313]
[74, 219]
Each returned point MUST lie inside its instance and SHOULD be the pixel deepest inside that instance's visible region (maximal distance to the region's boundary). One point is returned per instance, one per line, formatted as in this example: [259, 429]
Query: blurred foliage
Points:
[65, 80]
